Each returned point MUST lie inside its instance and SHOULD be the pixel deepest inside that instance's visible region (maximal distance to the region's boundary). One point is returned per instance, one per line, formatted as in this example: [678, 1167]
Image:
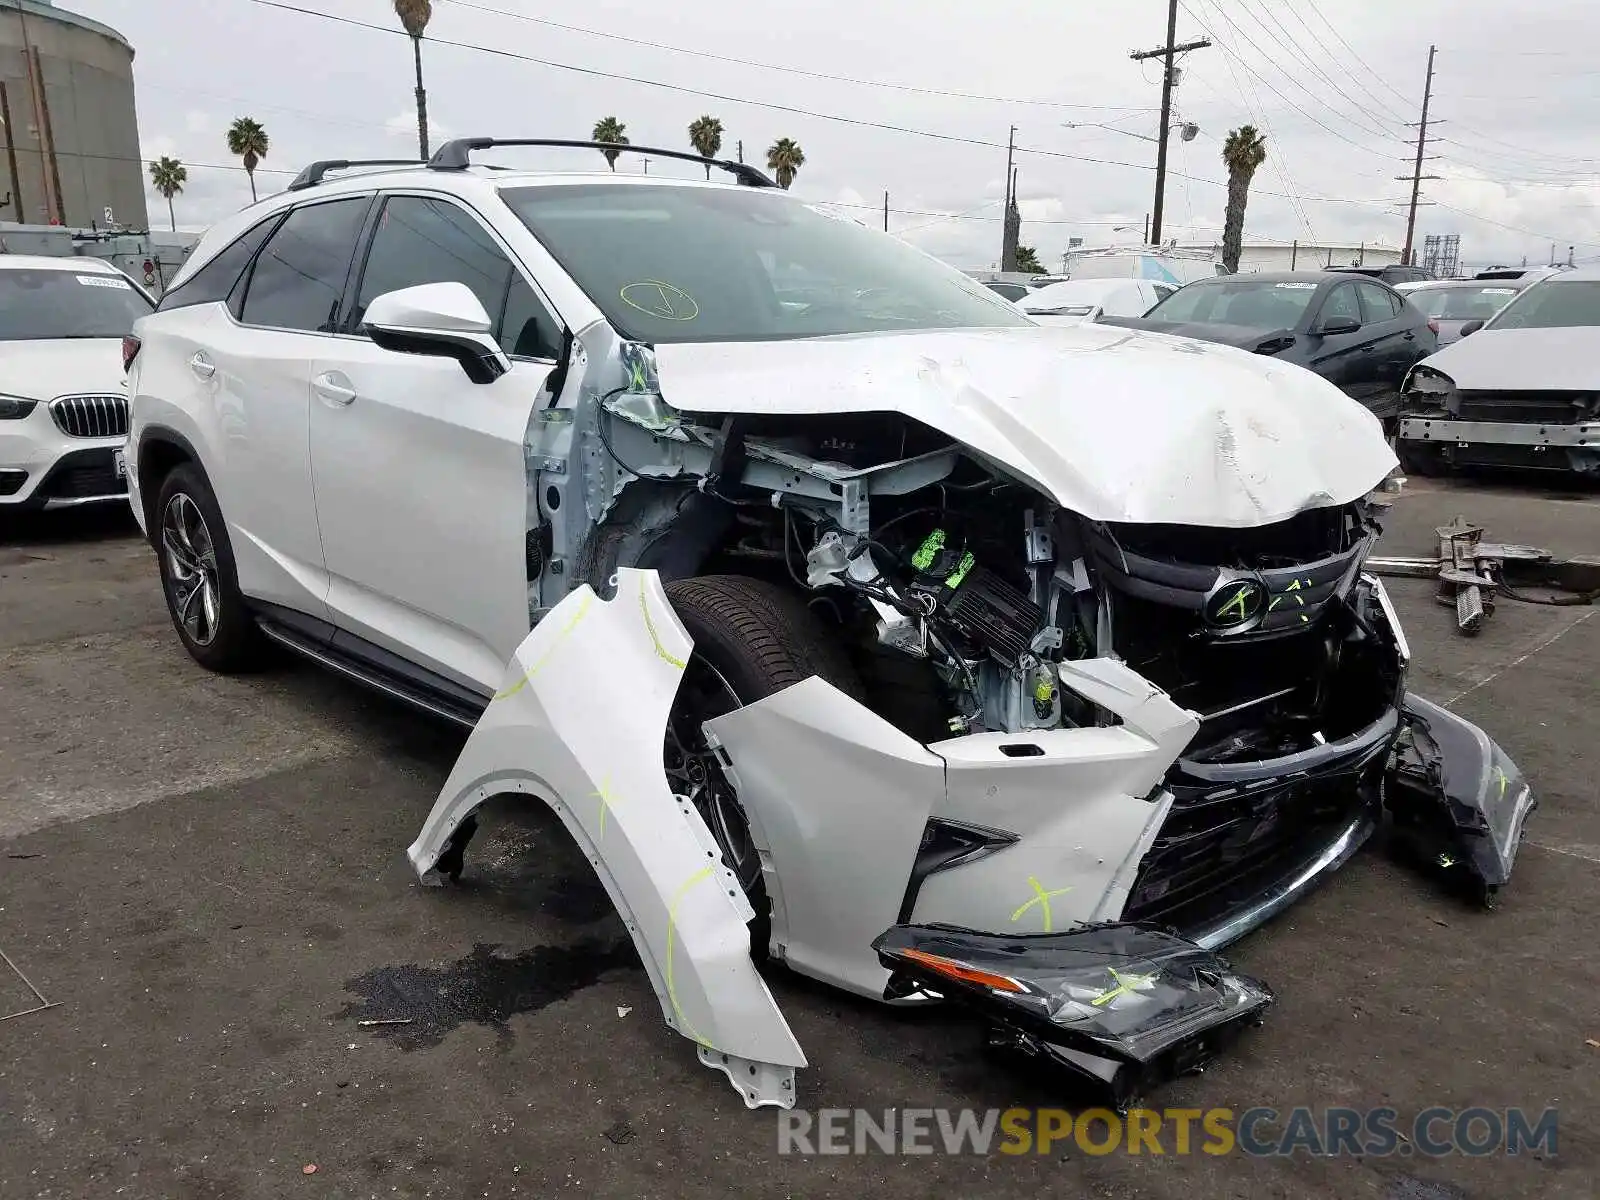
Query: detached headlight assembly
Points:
[14, 408]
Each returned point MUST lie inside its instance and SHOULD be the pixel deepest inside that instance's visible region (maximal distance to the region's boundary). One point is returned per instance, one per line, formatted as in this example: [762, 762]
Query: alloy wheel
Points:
[191, 564]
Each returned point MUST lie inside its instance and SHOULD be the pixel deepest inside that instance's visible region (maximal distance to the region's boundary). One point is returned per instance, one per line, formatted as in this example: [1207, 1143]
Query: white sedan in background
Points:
[1076, 301]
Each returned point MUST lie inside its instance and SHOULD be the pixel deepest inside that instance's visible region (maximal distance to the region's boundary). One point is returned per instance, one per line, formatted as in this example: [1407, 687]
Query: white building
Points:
[1306, 256]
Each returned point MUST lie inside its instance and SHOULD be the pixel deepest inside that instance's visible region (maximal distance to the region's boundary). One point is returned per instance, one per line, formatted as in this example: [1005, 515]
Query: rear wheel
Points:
[751, 639]
[197, 575]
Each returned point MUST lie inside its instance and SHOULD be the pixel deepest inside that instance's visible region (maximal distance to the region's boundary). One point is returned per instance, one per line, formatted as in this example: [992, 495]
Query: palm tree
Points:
[168, 176]
[415, 15]
[1028, 260]
[248, 140]
[705, 135]
[785, 158]
[1243, 152]
[612, 131]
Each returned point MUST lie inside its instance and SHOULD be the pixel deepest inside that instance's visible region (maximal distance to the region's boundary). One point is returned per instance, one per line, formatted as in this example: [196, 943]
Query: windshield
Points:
[1553, 304]
[1478, 302]
[694, 264]
[1233, 301]
[38, 304]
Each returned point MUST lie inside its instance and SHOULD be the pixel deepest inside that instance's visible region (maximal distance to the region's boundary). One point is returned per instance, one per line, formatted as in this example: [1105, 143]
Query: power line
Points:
[1267, 82]
[1289, 43]
[673, 87]
[764, 66]
[1404, 99]
[1399, 118]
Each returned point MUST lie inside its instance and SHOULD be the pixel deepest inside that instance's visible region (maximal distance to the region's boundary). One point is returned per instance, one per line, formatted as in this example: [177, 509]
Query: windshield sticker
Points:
[1499, 291]
[1297, 287]
[106, 281]
[660, 300]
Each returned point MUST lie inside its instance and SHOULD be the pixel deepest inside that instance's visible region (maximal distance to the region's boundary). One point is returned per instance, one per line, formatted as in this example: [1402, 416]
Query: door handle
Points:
[1410, 337]
[333, 387]
[202, 366]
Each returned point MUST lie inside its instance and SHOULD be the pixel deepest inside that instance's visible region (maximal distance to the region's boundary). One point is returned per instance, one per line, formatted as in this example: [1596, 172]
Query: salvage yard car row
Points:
[844, 616]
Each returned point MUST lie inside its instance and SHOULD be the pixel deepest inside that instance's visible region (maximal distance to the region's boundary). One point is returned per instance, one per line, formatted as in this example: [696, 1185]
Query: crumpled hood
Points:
[1114, 424]
[1494, 360]
[43, 370]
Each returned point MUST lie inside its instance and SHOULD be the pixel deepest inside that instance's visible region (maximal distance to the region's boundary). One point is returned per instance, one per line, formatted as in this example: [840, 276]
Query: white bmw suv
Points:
[63, 394]
[763, 547]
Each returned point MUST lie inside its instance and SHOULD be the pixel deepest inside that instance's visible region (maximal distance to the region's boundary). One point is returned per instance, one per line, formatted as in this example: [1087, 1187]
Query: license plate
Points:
[119, 464]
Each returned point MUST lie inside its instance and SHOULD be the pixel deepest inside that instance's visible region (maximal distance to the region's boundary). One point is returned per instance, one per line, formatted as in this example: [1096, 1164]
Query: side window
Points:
[420, 240]
[299, 276]
[1341, 302]
[1162, 290]
[1377, 303]
[528, 330]
[216, 279]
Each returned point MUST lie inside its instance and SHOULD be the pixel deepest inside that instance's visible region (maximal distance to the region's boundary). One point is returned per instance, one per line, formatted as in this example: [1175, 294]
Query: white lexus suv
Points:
[766, 549]
[63, 394]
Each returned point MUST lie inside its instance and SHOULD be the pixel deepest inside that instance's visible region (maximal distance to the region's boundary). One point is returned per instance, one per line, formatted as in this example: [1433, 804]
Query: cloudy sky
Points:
[916, 98]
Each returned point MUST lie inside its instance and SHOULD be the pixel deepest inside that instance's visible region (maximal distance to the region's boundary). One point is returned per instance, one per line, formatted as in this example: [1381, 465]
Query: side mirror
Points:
[1470, 327]
[440, 319]
[1339, 325]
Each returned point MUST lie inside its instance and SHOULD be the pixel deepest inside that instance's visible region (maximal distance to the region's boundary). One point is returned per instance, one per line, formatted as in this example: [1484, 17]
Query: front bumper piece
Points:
[1122, 1007]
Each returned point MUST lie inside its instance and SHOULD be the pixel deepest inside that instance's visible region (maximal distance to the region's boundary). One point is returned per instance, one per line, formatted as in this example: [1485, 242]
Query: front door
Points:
[1344, 358]
[419, 473]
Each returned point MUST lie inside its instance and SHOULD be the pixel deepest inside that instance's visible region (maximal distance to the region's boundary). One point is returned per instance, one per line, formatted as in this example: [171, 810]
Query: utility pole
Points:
[1008, 228]
[1416, 171]
[886, 212]
[741, 150]
[1167, 53]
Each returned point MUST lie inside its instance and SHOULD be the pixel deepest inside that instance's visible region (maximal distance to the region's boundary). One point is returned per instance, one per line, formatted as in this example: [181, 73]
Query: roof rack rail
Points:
[314, 174]
[455, 155]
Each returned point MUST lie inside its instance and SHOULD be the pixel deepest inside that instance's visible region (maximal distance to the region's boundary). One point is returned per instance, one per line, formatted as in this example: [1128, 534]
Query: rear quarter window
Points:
[216, 280]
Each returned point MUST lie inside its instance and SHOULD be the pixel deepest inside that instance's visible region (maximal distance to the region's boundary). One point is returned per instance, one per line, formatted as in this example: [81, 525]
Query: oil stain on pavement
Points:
[420, 1005]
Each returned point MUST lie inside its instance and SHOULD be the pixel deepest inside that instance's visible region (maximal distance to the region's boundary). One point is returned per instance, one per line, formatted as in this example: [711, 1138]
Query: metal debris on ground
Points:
[1473, 572]
[27, 983]
[386, 1021]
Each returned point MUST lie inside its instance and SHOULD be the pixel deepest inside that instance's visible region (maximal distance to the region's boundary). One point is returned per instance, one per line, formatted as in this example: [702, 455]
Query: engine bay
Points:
[960, 588]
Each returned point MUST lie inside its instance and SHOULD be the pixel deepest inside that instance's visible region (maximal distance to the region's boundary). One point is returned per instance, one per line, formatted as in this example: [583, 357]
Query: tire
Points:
[754, 639]
[198, 576]
[759, 636]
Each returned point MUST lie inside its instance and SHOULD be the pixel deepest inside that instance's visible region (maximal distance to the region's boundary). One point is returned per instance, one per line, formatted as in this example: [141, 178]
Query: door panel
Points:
[261, 388]
[1393, 343]
[421, 498]
[1342, 358]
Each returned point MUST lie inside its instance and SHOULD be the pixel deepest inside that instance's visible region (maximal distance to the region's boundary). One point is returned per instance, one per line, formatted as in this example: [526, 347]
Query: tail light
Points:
[130, 351]
[1433, 325]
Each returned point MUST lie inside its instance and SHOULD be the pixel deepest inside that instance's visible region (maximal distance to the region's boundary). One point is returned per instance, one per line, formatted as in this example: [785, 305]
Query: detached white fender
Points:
[580, 723]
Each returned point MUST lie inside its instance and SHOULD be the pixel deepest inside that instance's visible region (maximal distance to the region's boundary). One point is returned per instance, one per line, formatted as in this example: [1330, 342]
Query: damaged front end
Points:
[1061, 753]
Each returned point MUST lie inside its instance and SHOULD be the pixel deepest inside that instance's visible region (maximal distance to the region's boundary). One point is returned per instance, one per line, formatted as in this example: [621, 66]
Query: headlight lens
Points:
[14, 408]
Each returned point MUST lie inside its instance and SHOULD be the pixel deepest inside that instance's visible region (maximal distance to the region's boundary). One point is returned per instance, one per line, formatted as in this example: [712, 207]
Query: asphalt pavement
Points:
[205, 878]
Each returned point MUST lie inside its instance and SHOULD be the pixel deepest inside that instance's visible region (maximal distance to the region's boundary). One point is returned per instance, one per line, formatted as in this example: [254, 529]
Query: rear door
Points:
[1394, 341]
[255, 359]
[420, 479]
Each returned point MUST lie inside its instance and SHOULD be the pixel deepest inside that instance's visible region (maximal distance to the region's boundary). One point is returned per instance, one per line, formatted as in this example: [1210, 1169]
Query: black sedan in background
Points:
[1356, 332]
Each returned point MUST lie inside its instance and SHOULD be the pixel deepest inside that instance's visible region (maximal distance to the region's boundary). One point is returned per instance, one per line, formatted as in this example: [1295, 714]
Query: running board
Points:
[418, 695]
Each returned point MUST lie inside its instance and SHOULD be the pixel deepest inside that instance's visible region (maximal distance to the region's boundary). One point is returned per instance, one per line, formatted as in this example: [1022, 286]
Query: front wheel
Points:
[197, 575]
[751, 639]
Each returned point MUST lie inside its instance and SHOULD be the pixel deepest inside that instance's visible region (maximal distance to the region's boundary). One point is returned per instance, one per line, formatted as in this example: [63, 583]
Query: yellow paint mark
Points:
[699, 876]
[583, 607]
[1042, 899]
[606, 799]
[1127, 985]
[1501, 776]
[650, 625]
